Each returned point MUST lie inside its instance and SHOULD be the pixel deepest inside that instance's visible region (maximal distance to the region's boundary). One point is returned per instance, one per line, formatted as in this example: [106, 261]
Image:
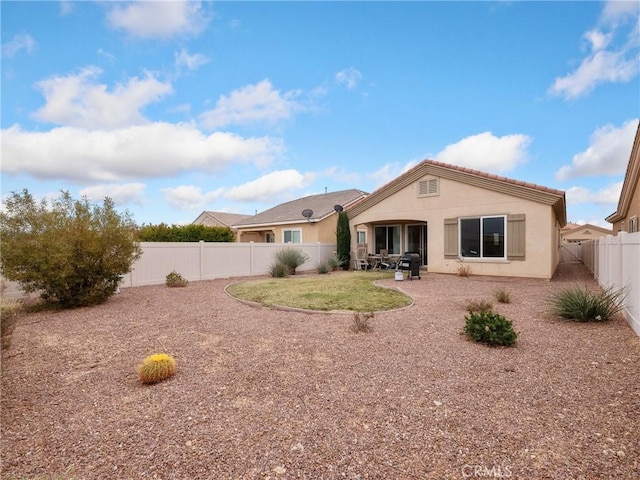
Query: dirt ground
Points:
[265, 393]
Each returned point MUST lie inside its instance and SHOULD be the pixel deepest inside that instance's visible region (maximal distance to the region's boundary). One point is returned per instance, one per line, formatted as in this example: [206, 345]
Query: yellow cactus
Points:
[156, 367]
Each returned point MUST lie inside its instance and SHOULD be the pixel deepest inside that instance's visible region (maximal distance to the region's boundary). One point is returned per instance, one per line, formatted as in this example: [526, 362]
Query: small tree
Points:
[72, 252]
[343, 240]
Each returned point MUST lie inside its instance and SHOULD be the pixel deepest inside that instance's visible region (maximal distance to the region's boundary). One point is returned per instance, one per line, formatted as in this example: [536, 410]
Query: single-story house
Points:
[304, 220]
[219, 219]
[625, 218]
[581, 233]
[454, 216]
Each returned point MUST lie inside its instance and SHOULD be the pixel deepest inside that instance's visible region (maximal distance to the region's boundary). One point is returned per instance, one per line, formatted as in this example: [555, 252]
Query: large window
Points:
[388, 238]
[483, 237]
[292, 236]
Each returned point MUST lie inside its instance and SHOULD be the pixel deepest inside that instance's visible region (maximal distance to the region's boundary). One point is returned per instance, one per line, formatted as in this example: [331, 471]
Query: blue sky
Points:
[172, 108]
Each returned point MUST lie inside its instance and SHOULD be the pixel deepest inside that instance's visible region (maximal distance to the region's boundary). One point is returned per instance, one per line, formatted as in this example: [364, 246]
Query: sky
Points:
[173, 108]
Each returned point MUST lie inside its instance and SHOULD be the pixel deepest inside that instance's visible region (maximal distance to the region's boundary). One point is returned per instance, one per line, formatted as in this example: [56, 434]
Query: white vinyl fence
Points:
[615, 263]
[206, 261]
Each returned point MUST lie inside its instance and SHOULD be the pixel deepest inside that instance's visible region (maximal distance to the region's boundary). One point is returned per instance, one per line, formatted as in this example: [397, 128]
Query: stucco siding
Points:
[461, 200]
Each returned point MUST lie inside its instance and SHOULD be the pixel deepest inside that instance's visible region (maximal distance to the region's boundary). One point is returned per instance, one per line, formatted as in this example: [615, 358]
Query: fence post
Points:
[201, 242]
[251, 257]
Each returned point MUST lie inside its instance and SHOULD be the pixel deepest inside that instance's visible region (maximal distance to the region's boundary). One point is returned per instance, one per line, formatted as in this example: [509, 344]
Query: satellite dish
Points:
[306, 213]
[338, 208]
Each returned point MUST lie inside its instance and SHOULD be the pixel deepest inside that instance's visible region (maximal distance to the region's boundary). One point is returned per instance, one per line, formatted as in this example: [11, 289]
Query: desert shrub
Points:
[490, 328]
[464, 271]
[360, 322]
[333, 261]
[174, 279]
[278, 270]
[479, 306]
[71, 252]
[292, 258]
[9, 310]
[503, 296]
[156, 367]
[578, 303]
[323, 268]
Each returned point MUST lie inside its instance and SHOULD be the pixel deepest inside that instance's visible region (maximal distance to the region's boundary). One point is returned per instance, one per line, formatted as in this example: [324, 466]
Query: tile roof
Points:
[291, 212]
[225, 218]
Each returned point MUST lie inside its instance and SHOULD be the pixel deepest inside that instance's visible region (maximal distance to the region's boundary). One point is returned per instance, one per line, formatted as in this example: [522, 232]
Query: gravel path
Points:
[262, 393]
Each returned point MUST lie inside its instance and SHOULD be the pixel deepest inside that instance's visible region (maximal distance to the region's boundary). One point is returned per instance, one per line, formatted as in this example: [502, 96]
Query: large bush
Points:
[291, 258]
[72, 252]
[184, 233]
[343, 240]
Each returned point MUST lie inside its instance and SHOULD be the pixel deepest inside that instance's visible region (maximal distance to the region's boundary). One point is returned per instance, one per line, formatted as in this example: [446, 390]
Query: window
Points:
[292, 236]
[362, 236]
[388, 238]
[633, 224]
[482, 237]
[428, 188]
[269, 237]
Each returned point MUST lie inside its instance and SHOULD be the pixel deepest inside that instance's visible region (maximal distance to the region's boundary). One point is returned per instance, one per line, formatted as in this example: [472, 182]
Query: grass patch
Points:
[354, 291]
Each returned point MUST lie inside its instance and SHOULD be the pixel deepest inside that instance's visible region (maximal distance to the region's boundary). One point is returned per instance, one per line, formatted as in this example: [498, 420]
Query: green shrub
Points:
[490, 328]
[278, 270]
[343, 240]
[323, 268]
[333, 261]
[292, 258]
[503, 296]
[184, 233]
[174, 279]
[71, 252]
[479, 306]
[360, 323]
[578, 303]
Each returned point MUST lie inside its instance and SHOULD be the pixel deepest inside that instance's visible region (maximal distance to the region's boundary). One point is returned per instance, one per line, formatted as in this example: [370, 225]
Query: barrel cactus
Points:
[156, 368]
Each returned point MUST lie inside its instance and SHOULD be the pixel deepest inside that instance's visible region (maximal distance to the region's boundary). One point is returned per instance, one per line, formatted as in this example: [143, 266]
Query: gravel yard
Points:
[264, 393]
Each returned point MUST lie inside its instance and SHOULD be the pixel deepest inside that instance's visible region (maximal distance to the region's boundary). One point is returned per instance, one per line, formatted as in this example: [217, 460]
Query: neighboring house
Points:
[454, 216]
[625, 219]
[219, 219]
[581, 233]
[286, 223]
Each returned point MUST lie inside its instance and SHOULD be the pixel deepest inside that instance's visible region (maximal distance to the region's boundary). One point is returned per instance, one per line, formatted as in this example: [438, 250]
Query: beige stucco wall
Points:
[323, 232]
[459, 200]
[634, 211]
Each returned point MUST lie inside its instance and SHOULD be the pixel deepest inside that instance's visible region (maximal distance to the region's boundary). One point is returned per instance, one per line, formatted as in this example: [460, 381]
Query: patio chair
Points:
[385, 262]
[359, 263]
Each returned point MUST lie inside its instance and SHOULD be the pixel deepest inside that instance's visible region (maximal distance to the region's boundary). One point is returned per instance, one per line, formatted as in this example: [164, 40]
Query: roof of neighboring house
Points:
[631, 180]
[224, 218]
[570, 226]
[587, 226]
[489, 181]
[322, 205]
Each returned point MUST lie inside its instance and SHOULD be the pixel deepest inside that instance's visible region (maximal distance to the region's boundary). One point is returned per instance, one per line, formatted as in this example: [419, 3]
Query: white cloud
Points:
[607, 154]
[250, 104]
[608, 195]
[349, 77]
[77, 100]
[487, 152]
[189, 197]
[607, 61]
[390, 171]
[22, 41]
[274, 183]
[152, 150]
[184, 60]
[121, 194]
[162, 19]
